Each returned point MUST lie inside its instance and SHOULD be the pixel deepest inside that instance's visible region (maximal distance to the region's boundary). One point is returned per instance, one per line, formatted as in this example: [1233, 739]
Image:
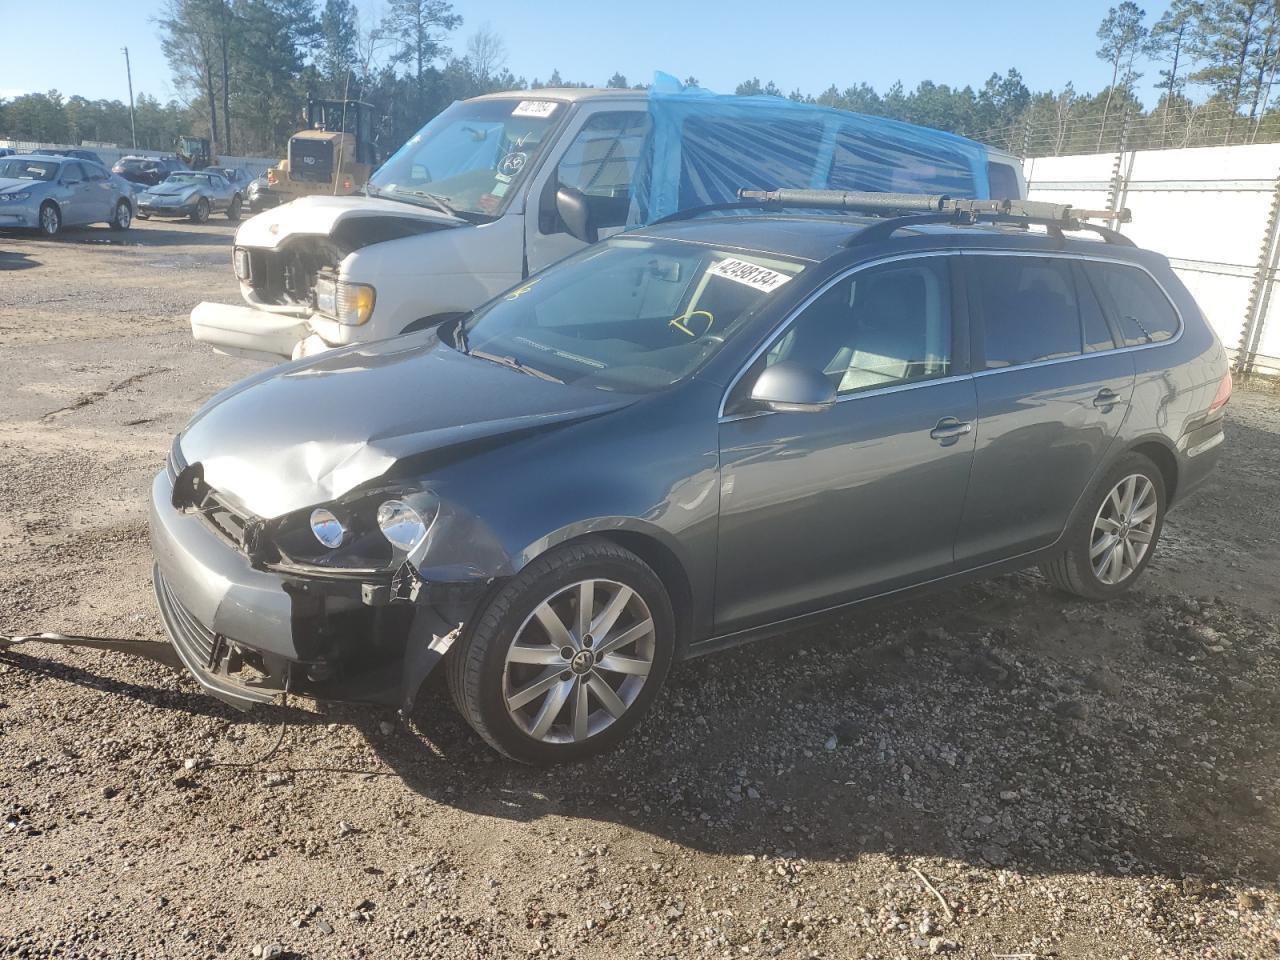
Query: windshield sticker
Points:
[512, 163]
[751, 274]
[535, 108]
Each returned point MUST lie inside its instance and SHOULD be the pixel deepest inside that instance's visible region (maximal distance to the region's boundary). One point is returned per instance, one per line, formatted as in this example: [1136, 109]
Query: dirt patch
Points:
[1075, 780]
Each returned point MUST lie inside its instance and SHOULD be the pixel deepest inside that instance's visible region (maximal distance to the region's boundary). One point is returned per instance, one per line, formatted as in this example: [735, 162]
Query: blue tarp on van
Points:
[706, 146]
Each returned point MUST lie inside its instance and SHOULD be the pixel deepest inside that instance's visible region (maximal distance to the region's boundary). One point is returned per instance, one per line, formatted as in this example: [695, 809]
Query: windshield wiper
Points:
[511, 363]
[440, 203]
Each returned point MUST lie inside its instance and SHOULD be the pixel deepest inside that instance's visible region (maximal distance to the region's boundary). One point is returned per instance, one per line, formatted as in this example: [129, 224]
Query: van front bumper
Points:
[248, 332]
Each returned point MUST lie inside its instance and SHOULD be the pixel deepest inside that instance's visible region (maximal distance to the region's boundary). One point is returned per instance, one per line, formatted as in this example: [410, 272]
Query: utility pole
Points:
[133, 129]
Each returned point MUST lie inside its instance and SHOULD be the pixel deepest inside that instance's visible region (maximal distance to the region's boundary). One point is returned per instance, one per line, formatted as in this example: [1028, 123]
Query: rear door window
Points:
[1140, 308]
[1029, 309]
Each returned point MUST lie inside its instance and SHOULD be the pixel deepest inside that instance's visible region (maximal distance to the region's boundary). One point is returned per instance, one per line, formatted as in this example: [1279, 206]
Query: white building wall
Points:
[1206, 208]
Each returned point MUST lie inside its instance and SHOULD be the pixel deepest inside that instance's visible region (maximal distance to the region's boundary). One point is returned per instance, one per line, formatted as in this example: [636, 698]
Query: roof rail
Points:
[913, 209]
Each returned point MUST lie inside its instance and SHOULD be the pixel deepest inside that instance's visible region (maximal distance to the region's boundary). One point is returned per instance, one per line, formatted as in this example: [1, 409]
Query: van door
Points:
[592, 174]
[1052, 393]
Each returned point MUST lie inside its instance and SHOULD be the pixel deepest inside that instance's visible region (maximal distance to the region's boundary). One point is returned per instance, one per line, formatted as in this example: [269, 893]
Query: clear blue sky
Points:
[805, 45]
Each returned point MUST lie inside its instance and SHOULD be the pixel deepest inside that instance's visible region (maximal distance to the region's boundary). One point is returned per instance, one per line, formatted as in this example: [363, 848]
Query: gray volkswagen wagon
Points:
[695, 434]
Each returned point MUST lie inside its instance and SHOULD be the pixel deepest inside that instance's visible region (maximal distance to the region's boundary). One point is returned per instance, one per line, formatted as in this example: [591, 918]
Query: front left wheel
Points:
[50, 219]
[564, 660]
[201, 212]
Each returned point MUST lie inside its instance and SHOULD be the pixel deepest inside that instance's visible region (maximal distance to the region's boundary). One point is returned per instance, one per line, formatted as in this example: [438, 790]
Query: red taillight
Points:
[1223, 395]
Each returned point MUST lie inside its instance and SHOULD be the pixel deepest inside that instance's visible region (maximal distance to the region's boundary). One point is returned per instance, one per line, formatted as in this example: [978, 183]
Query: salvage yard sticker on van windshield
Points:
[534, 108]
[752, 274]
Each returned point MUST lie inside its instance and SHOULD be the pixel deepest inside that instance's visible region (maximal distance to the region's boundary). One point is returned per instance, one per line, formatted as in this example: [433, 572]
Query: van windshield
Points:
[630, 314]
[471, 158]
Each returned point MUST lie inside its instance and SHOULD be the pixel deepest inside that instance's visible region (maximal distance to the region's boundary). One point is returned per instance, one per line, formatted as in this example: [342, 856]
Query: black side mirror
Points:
[789, 387]
[575, 215]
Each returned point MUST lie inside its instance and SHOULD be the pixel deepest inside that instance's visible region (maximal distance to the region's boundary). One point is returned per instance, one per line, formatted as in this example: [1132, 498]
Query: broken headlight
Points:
[346, 302]
[403, 526]
[327, 528]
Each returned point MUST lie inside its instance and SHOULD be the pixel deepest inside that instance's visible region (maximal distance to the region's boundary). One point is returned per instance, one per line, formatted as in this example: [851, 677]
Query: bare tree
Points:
[487, 54]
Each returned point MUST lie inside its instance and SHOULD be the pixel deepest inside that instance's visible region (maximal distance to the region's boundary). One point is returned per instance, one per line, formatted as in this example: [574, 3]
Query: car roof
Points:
[49, 157]
[818, 237]
[569, 94]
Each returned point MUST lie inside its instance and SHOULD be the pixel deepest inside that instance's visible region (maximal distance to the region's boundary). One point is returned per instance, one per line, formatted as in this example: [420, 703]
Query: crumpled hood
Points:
[171, 190]
[319, 215]
[310, 431]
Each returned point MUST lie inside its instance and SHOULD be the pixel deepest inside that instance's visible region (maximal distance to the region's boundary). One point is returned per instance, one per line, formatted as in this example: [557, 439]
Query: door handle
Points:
[1106, 399]
[949, 430]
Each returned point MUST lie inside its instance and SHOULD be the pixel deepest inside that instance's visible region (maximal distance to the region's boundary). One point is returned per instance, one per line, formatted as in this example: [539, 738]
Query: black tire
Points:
[122, 216]
[1072, 571]
[233, 211]
[50, 219]
[477, 662]
[201, 212]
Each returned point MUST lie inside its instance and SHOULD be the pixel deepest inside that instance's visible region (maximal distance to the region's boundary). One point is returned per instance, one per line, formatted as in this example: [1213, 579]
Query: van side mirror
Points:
[789, 387]
[575, 215]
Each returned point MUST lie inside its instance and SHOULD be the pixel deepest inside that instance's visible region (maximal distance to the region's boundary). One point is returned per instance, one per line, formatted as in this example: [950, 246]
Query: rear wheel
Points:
[122, 217]
[1113, 538]
[201, 212]
[567, 656]
[50, 219]
[233, 211]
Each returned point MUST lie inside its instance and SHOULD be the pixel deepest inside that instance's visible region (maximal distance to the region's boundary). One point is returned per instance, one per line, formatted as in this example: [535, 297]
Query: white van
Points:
[489, 191]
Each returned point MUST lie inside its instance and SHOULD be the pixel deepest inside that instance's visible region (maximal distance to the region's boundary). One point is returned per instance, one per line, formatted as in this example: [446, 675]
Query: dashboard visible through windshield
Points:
[630, 314]
[469, 160]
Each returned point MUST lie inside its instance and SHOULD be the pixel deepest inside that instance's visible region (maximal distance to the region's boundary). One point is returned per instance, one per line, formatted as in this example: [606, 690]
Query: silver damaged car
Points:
[47, 193]
[192, 193]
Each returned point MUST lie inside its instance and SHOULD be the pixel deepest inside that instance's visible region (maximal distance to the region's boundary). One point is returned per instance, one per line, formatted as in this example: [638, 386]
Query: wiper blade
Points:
[511, 363]
[440, 203]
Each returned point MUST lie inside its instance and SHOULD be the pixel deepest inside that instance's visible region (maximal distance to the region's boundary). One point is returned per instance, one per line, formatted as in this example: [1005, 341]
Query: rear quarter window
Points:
[1140, 308]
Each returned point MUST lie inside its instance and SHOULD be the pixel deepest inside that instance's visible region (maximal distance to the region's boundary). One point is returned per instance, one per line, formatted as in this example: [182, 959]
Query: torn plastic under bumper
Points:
[248, 635]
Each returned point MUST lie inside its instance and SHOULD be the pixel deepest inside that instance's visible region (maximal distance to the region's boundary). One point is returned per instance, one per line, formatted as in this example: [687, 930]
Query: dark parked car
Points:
[147, 171]
[260, 196]
[688, 436]
[77, 154]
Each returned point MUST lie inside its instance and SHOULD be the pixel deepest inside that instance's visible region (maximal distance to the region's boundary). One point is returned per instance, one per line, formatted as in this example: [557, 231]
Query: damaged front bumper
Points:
[259, 334]
[248, 634]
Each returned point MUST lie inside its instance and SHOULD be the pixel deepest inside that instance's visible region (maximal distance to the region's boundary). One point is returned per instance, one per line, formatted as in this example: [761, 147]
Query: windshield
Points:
[188, 178]
[14, 168]
[472, 156]
[629, 314]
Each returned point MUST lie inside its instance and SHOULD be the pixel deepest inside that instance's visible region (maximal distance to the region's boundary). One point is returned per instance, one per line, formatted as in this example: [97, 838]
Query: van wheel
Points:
[1113, 538]
[563, 661]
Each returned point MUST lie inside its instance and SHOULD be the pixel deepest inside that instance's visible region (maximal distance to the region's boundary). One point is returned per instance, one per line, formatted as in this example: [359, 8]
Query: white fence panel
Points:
[1208, 209]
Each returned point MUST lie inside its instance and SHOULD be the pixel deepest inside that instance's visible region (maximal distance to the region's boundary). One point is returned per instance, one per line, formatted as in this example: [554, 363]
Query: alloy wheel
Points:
[50, 220]
[1123, 529]
[124, 216]
[579, 661]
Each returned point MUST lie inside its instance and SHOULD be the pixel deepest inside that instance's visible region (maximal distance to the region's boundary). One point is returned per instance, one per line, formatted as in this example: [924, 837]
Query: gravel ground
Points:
[991, 772]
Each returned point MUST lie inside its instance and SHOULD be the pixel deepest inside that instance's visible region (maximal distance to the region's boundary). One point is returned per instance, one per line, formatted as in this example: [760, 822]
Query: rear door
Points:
[1052, 391]
[100, 192]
